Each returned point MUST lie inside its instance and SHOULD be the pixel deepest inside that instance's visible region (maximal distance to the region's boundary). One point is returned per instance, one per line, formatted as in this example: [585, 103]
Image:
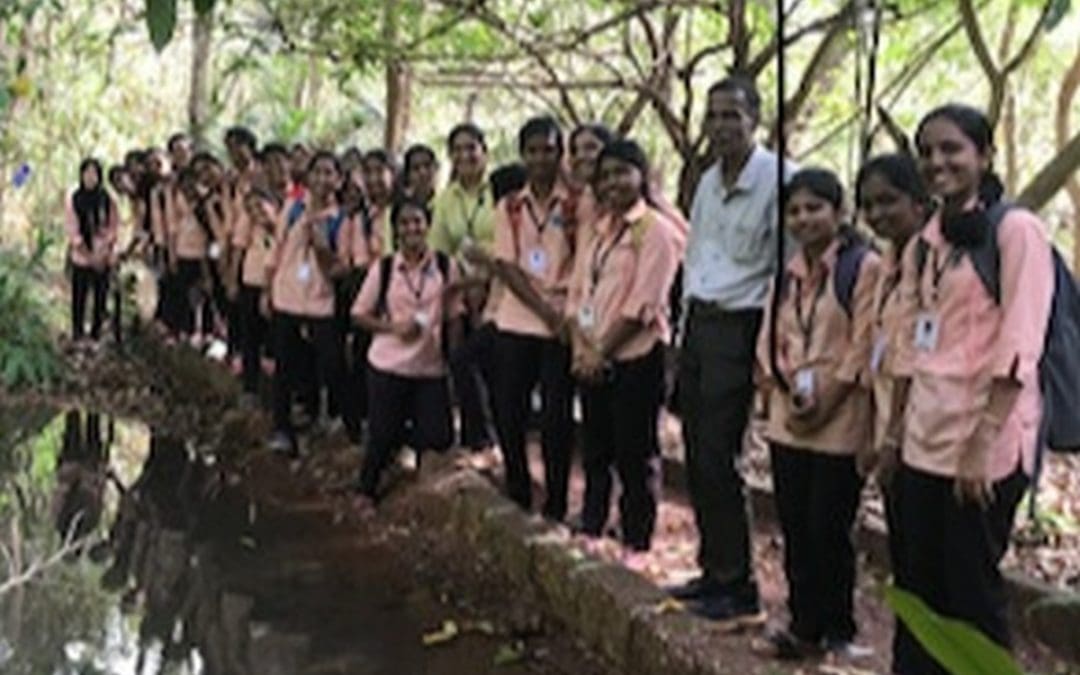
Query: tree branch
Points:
[977, 40]
[1029, 43]
[1052, 176]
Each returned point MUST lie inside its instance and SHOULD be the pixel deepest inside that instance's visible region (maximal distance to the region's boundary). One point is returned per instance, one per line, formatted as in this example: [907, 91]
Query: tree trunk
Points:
[202, 30]
[1052, 176]
[1062, 116]
[398, 82]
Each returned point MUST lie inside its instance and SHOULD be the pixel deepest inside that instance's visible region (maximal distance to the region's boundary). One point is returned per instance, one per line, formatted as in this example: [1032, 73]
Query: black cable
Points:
[781, 152]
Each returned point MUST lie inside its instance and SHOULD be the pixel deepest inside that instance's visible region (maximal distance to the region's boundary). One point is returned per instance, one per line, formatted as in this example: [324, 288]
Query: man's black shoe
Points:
[731, 611]
[695, 589]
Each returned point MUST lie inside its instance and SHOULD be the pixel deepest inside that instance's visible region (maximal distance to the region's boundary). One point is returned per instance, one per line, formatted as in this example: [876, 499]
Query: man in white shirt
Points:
[731, 258]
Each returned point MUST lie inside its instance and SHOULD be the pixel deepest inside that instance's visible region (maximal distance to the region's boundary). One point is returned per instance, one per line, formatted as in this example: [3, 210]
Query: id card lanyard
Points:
[806, 322]
[600, 259]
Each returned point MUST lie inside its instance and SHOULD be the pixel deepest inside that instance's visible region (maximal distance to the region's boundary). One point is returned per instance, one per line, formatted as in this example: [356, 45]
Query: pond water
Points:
[171, 570]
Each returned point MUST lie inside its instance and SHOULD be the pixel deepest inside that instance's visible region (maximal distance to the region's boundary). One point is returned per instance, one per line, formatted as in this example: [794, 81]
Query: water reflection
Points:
[126, 553]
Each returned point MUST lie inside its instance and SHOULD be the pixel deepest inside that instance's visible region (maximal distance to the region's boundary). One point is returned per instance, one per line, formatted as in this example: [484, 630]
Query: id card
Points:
[538, 261]
[804, 382]
[877, 356]
[303, 273]
[927, 331]
[422, 318]
[586, 317]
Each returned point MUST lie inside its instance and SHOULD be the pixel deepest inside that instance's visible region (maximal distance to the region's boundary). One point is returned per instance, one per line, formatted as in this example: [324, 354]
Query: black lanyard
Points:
[541, 226]
[937, 272]
[418, 292]
[470, 222]
[806, 326]
[600, 257]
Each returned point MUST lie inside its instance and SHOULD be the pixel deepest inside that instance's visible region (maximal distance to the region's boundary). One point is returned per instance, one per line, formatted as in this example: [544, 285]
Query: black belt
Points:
[715, 309]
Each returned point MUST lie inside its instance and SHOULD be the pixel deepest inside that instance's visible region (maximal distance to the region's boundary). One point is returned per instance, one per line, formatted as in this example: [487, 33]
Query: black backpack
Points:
[1059, 367]
[849, 260]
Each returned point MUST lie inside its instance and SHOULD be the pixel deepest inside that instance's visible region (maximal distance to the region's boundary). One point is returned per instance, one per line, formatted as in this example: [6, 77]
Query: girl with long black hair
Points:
[91, 223]
[969, 405]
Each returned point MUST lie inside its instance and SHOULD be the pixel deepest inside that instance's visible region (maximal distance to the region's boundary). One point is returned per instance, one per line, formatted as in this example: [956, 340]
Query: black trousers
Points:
[621, 432]
[950, 553]
[412, 409]
[715, 391]
[87, 281]
[470, 368]
[185, 295]
[292, 376]
[817, 496]
[254, 329]
[522, 362]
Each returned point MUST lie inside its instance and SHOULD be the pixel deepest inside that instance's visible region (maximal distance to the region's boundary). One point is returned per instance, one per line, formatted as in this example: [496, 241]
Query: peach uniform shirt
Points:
[257, 243]
[415, 291]
[299, 285]
[977, 341]
[103, 240]
[625, 272]
[534, 237]
[189, 239]
[815, 333]
[887, 333]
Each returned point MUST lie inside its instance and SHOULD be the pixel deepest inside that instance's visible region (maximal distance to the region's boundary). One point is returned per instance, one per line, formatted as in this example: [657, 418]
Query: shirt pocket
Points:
[747, 235]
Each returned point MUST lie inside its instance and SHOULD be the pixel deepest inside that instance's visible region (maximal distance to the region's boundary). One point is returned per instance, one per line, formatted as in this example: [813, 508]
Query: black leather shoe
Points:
[695, 589]
[732, 611]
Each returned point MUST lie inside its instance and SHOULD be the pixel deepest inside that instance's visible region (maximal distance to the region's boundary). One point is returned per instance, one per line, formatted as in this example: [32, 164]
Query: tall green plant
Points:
[27, 355]
[959, 648]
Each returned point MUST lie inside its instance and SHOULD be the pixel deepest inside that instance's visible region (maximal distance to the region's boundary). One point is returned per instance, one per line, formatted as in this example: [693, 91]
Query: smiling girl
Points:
[968, 362]
[406, 304]
[820, 420]
[311, 251]
[618, 311]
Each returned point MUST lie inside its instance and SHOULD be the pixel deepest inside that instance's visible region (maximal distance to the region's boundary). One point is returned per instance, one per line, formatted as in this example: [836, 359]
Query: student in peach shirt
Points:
[969, 378]
[311, 250]
[189, 239]
[254, 240]
[91, 223]
[819, 423]
[895, 204]
[380, 185]
[618, 313]
[419, 170]
[585, 143]
[533, 259]
[407, 378]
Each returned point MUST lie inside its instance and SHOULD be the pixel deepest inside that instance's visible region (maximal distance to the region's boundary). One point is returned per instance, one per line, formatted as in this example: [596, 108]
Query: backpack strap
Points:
[849, 262]
[987, 257]
[335, 228]
[442, 262]
[295, 211]
[386, 267]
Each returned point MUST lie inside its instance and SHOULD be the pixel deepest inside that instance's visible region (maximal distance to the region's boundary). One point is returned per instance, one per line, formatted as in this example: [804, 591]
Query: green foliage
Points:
[27, 356]
[1058, 10]
[961, 649]
[161, 20]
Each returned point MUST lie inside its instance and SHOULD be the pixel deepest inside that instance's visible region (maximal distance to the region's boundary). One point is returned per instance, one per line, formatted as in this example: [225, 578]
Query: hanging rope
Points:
[781, 153]
[871, 81]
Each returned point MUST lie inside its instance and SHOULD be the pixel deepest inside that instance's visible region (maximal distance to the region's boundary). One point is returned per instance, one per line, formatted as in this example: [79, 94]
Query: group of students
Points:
[554, 274]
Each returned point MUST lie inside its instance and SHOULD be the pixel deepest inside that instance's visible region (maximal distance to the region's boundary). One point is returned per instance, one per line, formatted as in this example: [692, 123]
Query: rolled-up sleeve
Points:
[1027, 289]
